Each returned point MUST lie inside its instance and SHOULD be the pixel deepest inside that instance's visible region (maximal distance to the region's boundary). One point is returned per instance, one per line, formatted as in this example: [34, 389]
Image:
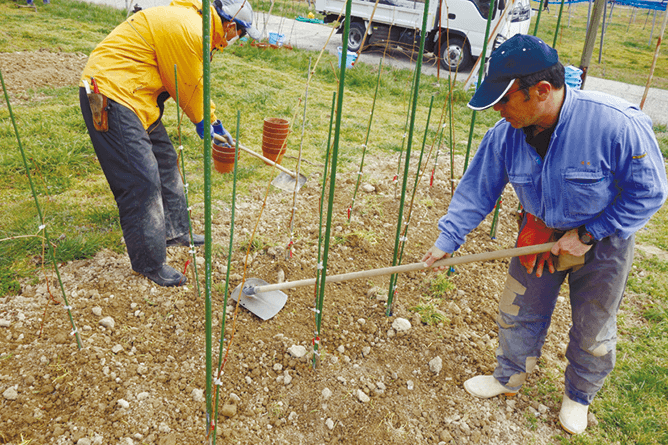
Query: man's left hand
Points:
[570, 243]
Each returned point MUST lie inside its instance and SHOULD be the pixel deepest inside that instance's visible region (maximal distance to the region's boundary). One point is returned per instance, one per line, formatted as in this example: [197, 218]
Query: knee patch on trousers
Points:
[512, 289]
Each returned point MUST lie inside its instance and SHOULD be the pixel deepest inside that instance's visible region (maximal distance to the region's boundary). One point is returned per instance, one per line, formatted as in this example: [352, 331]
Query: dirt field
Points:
[141, 378]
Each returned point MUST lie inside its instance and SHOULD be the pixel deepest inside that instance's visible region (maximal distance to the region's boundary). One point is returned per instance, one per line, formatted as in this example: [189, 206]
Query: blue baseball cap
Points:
[517, 57]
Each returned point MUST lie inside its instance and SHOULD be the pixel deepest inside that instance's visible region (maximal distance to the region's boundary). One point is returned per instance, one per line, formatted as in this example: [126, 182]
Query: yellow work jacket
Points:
[134, 64]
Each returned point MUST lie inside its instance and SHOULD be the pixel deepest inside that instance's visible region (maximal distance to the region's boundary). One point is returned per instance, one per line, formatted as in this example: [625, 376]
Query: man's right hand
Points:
[434, 254]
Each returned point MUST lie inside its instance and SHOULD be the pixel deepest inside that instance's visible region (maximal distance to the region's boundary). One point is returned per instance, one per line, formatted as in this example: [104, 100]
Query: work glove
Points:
[535, 232]
[217, 128]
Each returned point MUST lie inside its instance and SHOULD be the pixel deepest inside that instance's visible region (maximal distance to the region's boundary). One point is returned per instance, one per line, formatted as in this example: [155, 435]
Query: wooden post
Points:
[656, 56]
[590, 39]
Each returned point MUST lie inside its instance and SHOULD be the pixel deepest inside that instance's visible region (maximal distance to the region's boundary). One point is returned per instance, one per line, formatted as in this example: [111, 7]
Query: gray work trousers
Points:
[142, 171]
[596, 292]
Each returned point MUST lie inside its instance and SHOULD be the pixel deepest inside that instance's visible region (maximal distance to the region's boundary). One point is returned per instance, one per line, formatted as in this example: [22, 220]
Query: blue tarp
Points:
[644, 4]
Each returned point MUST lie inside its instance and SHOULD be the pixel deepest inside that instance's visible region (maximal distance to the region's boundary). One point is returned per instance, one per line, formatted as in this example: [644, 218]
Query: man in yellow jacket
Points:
[124, 85]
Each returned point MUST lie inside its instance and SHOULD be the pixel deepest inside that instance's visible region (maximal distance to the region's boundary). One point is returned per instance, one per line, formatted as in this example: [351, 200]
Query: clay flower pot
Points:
[223, 158]
[274, 136]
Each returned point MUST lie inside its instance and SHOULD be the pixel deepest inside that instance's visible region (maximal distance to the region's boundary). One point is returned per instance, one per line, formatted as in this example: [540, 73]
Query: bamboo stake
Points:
[366, 140]
[492, 5]
[418, 175]
[206, 105]
[319, 299]
[556, 31]
[416, 90]
[227, 279]
[288, 251]
[656, 56]
[42, 226]
[335, 156]
[185, 182]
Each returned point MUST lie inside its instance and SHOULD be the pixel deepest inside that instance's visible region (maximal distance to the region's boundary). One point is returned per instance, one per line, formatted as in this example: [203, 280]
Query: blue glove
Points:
[217, 128]
[199, 127]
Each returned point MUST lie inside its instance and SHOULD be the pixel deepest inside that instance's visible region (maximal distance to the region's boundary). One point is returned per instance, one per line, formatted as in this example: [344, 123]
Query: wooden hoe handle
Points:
[259, 156]
[453, 261]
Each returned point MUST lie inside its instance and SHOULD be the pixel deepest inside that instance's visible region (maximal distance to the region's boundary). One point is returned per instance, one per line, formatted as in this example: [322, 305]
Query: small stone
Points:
[542, 408]
[198, 395]
[410, 385]
[445, 436]
[366, 351]
[329, 423]
[142, 369]
[123, 403]
[341, 349]
[591, 419]
[326, 393]
[116, 349]
[164, 428]
[229, 410]
[277, 367]
[4, 323]
[97, 310]
[297, 351]
[84, 441]
[10, 393]
[143, 396]
[287, 378]
[362, 397]
[292, 416]
[234, 398]
[436, 365]
[390, 333]
[401, 325]
[368, 188]
[108, 322]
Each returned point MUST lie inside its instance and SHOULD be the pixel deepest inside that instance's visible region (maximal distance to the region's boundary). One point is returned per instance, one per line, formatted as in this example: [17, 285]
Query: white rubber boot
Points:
[486, 386]
[573, 416]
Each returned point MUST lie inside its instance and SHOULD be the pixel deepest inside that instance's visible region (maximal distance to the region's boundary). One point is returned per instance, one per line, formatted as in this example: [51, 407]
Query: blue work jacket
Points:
[603, 169]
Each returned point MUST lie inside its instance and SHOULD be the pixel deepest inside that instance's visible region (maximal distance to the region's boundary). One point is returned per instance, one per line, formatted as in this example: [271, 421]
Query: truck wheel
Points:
[355, 36]
[457, 54]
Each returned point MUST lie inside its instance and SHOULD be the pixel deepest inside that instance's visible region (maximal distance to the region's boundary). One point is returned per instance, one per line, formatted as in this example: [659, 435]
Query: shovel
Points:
[286, 180]
[265, 300]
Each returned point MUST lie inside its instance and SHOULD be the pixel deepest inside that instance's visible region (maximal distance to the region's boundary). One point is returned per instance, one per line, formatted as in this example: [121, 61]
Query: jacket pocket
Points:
[586, 192]
[526, 191]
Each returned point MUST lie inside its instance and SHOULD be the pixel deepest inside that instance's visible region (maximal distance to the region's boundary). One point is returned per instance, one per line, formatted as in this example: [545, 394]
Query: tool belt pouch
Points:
[98, 107]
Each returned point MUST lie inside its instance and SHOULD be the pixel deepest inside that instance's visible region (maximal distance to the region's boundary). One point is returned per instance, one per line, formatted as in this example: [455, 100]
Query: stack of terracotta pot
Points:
[223, 158]
[274, 136]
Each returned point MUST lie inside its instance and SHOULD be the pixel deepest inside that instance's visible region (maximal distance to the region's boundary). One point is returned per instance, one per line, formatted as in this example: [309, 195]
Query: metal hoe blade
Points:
[287, 183]
[263, 304]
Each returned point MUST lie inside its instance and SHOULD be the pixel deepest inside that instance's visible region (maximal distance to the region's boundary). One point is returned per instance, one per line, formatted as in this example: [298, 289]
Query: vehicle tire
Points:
[355, 36]
[457, 54]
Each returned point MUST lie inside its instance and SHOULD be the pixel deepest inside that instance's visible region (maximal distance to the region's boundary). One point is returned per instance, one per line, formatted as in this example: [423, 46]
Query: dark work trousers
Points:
[596, 292]
[142, 171]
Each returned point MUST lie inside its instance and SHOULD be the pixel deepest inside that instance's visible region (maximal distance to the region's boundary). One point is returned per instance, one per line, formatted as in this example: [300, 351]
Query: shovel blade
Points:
[265, 305]
[287, 183]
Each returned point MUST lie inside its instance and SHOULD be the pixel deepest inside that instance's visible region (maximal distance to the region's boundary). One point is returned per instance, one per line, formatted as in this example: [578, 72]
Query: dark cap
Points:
[518, 56]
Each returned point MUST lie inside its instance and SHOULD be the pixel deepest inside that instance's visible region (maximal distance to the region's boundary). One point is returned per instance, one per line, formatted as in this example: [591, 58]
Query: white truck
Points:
[400, 23]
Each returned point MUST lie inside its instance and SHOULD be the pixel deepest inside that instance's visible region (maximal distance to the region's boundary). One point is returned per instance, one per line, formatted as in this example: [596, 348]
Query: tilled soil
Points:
[140, 376]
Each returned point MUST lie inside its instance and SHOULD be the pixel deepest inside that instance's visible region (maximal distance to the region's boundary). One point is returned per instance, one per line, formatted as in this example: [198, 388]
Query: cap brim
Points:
[489, 94]
[253, 33]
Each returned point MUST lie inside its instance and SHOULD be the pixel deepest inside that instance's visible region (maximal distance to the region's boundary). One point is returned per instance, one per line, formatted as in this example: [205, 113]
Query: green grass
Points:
[82, 218]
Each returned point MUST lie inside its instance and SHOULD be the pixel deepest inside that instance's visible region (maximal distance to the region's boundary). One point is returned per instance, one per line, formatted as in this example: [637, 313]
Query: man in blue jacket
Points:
[588, 172]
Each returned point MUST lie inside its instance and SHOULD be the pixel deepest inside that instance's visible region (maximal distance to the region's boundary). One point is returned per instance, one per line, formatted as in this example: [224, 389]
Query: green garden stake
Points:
[495, 218]
[556, 31]
[416, 91]
[540, 10]
[42, 226]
